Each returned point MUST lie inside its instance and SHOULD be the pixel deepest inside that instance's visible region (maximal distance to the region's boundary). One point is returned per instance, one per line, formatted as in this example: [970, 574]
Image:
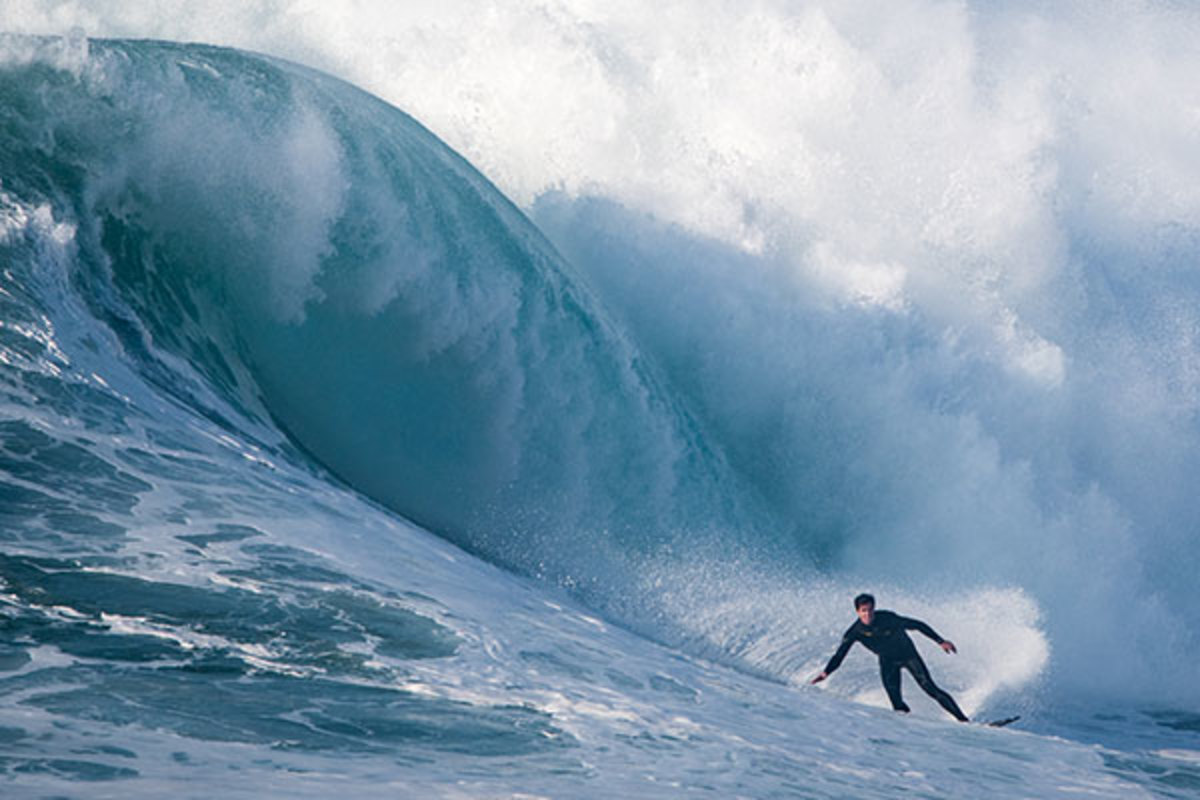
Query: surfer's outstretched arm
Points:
[847, 641]
[917, 625]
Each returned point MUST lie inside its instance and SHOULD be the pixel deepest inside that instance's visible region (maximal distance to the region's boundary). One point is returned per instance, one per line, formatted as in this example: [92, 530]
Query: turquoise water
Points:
[325, 469]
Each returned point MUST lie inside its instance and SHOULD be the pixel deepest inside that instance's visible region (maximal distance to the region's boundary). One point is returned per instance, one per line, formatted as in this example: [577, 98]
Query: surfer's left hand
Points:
[948, 646]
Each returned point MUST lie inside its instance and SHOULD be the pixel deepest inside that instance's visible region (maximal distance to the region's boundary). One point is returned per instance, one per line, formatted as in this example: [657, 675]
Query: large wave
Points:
[898, 275]
[323, 262]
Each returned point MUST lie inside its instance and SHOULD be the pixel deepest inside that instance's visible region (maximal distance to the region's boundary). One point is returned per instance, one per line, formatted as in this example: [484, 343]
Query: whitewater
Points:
[473, 400]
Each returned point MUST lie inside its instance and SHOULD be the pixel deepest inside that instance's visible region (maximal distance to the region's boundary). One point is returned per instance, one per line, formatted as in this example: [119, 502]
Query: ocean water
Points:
[515, 413]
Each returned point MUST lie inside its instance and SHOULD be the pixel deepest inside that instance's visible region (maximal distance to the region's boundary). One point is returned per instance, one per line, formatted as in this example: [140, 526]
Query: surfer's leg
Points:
[889, 671]
[921, 674]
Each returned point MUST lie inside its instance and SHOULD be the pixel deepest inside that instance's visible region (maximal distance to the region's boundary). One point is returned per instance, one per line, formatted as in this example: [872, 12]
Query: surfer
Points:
[883, 633]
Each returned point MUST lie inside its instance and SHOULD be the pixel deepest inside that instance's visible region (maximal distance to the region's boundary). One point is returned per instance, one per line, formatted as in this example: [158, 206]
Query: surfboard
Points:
[1000, 723]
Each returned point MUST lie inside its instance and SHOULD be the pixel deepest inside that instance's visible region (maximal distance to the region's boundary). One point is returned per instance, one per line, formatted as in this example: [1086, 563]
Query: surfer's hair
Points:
[864, 599]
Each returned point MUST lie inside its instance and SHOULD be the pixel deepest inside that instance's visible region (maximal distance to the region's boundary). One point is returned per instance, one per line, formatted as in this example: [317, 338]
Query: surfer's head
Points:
[864, 604]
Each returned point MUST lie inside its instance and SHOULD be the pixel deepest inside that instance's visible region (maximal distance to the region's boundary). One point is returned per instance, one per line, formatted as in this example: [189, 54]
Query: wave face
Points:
[257, 323]
[326, 264]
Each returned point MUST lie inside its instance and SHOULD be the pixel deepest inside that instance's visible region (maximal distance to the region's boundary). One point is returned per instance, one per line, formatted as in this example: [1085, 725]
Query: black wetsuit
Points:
[886, 638]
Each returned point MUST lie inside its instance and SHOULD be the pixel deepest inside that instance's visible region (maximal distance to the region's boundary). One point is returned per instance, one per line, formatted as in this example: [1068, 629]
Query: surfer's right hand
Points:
[820, 677]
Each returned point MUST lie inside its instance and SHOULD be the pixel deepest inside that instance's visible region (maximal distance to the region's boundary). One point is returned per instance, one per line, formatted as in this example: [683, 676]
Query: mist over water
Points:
[905, 298]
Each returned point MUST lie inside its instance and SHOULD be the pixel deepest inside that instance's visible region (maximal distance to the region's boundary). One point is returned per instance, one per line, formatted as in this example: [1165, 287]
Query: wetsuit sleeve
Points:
[917, 625]
[848, 639]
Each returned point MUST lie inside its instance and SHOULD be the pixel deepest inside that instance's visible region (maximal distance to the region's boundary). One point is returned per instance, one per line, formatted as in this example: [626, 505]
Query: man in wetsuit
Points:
[883, 633]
